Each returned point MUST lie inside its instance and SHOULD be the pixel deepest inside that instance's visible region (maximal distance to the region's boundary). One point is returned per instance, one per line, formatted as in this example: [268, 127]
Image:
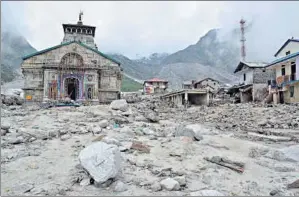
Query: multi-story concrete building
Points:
[155, 86]
[285, 88]
[73, 69]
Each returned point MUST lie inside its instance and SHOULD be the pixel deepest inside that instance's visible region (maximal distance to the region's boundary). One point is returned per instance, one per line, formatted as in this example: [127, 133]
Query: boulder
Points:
[119, 105]
[148, 131]
[103, 123]
[188, 131]
[170, 184]
[101, 161]
[206, 193]
[120, 187]
[181, 180]
[5, 126]
[156, 187]
[152, 116]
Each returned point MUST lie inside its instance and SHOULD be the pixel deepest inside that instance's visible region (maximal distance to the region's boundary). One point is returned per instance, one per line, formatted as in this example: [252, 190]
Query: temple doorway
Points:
[72, 88]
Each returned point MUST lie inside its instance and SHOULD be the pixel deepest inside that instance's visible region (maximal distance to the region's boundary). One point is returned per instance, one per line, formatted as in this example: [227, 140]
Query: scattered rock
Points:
[294, 185]
[140, 147]
[5, 126]
[120, 187]
[170, 184]
[65, 137]
[85, 182]
[148, 131]
[111, 141]
[3, 132]
[188, 131]
[206, 193]
[152, 116]
[119, 105]
[181, 180]
[156, 187]
[101, 161]
[103, 123]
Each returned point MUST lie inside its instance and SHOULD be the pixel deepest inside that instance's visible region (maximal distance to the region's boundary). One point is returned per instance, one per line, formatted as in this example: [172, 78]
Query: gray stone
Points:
[181, 180]
[103, 123]
[120, 187]
[148, 131]
[97, 130]
[16, 140]
[188, 131]
[109, 140]
[206, 193]
[119, 105]
[65, 137]
[152, 116]
[85, 182]
[170, 184]
[101, 161]
[3, 132]
[156, 187]
[5, 126]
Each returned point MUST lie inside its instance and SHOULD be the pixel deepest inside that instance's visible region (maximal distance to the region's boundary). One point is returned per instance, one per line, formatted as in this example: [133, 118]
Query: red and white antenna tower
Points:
[243, 53]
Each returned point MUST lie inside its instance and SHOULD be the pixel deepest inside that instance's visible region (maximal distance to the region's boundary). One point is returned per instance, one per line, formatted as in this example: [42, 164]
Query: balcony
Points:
[282, 79]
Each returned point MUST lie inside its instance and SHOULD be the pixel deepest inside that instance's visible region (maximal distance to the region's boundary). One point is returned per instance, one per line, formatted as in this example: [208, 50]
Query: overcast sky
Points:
[142, 28]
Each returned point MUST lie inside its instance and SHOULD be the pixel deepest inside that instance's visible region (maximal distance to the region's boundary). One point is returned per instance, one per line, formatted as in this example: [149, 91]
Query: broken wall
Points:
[261, 75]
[259, 92]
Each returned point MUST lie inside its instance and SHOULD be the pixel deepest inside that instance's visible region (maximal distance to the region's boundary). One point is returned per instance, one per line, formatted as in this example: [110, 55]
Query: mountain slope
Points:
[14, 47]
[215, 55]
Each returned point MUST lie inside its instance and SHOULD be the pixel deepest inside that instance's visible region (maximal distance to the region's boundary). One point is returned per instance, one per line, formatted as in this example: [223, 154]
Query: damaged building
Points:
[253, 81]
[285, 87]
[74, 69]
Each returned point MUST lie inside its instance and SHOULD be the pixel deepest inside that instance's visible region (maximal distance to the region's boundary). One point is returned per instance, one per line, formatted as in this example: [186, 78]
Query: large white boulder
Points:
[101, 161]
[121, 105]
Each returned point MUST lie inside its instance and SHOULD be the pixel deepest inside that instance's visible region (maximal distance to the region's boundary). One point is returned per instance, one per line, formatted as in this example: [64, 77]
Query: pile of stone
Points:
[11, 100]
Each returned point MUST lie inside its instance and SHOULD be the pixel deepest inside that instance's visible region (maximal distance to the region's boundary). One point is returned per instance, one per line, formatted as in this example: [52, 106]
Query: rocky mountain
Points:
[215, 55]
[14, 47]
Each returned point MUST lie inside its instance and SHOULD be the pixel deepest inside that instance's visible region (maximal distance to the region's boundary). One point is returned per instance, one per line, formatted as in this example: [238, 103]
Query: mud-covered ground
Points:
[40, 148]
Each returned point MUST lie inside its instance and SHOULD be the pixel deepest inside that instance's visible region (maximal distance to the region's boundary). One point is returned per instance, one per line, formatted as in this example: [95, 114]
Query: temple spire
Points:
[80, 18]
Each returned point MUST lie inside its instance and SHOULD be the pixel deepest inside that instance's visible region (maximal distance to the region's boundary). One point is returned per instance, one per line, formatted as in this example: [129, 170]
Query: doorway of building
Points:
[281, 99]
[72, 88]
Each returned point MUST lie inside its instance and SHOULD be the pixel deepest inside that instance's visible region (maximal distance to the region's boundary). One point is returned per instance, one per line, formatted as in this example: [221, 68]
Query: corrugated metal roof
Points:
[285, 44]
[283, 59]
[67, 43]
[250, 65]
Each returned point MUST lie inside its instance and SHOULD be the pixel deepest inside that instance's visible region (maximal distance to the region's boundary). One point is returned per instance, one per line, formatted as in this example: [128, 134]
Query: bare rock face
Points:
[121, 105]
[170, 184]
[101, 161]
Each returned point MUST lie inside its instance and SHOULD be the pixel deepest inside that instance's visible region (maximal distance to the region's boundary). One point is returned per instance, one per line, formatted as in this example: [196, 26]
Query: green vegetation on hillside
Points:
[129, 85]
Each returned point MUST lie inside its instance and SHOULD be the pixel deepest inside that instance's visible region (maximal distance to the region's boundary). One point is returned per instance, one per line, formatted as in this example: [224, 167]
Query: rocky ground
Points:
[149, 148]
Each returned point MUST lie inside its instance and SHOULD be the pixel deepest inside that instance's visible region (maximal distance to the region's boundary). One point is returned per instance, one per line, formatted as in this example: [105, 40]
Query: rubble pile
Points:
[145, 148]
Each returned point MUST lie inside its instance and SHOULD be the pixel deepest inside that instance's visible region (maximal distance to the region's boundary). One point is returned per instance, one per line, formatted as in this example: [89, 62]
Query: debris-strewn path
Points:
[241, 149]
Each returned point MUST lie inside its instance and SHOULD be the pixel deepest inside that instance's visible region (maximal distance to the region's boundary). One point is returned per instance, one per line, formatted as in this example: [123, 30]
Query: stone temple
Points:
[75, 69]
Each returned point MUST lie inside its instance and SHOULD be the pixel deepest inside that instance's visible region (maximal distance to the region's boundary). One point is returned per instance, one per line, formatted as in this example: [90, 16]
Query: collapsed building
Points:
[75, 69]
